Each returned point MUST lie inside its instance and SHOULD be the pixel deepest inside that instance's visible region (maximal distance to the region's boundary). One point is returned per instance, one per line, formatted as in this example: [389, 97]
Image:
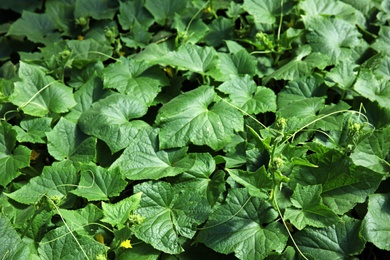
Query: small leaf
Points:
[192, 57]
[143, 160]
[38, 94]
[60, 244]
[82, 219]
[55, 182]
[170, 215]
[97, 183]
[36, 27]
[135, 78]
[257, 183]
[32, 130]
[244, 225]
[246, 95]
[67, 142]
[12, 246]
[108, 120]
[377, 221]
[309, 209]
[118, 214]
[162, 10]
[188, 118]
[12, 157]
[339, 241]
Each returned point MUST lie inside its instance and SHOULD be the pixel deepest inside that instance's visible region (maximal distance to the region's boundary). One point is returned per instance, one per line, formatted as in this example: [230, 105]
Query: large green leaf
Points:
[193, 117]
[373, 89]
[82, 220]
[109, 120]
[32, 130]
[266, 11]
[37, 94]
[162, 10]
[258, 183]
[333, 7]
[12, 246]
[86, 51]
[246, 95]
[97, 9]
[192, 57]
[131, 12]
[60, 244]
[36, 27]
[203, 178]
[118, 214]
[383, 40]
[299, 67]
[170, 215]
[309, 209]
[12, 157]
[143, 160]
[98, 183]
[343, 183]
[135, 78]
[372, 151]
[377, 221]
[333, 37]
[340, 241]
[244, 225]
[55, 182]
[67, 142]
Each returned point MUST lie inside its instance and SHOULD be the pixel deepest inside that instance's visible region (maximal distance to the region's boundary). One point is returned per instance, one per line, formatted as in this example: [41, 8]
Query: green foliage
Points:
[140, 129]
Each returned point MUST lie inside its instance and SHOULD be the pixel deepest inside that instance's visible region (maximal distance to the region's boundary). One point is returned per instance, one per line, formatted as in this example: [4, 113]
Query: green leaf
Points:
[55, 182]
[299, 67]
[220, 29]
[163, 10]
[135, 78]
[339, 241]
[372, 151]
[192, 117]
[119, 213]
[258, 183]
[343, 183]
[143, 160]
[12, 157]
[383, 40]
[189, 30]
[239, 63]
[244, 225]
[88, 93]
[38, 94]
[60, 244]
[131, 12]
[265, 11]
[343, 75]
[202, 177]
[87, 51]
[12, 246]
[97, 183]
[67, 142]
[97, 9]
[246, 95]
[170, 215]
[192, 57]
[375, 90]
[108, 120]
[38, 28]
[82, 220]
[376, 222]
[309, 209]
[32, 130]
[333, 8]
[333, 37]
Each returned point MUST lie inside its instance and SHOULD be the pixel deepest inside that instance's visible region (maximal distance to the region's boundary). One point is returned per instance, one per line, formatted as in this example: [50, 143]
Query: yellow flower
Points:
[126, 244]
